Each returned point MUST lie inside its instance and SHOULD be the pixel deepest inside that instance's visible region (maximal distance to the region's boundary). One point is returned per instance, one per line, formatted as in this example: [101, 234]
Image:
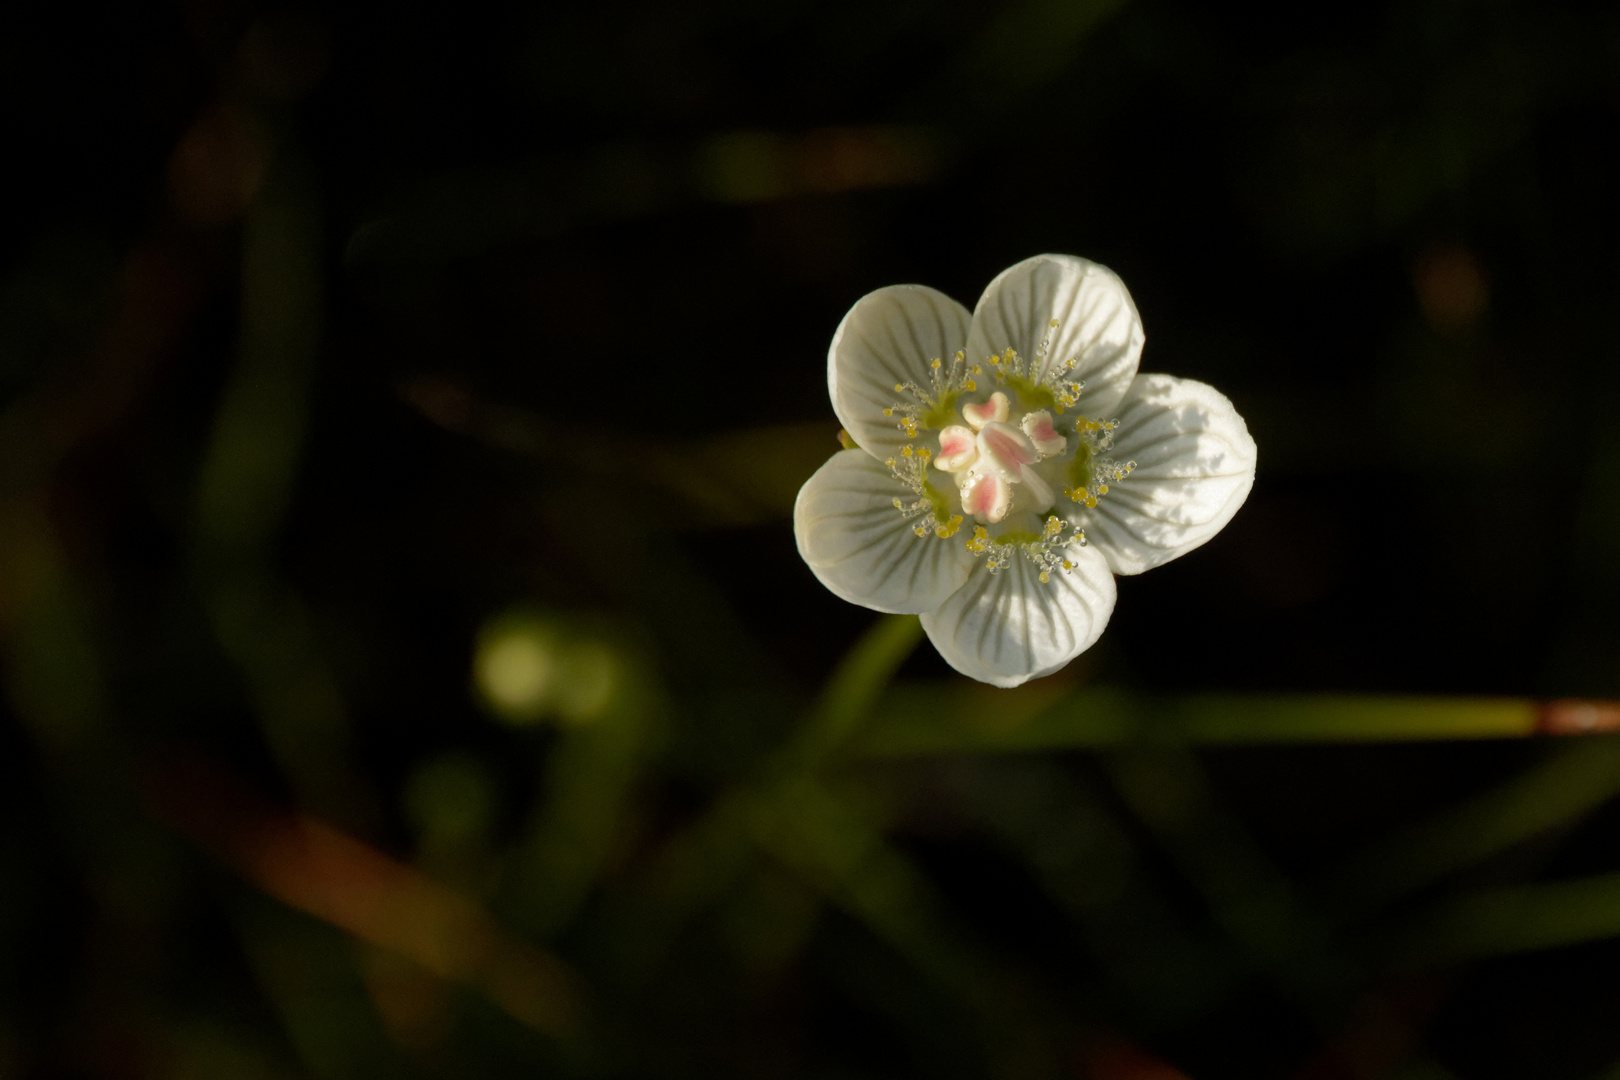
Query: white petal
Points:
[1194, 467]
[889, 337]
[1097, 322]
[859, 546]
[1007, 628]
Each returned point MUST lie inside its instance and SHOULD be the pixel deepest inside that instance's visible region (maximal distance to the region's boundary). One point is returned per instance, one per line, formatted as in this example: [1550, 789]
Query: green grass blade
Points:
[956, 718]
[1568, 785]
[1518, 919]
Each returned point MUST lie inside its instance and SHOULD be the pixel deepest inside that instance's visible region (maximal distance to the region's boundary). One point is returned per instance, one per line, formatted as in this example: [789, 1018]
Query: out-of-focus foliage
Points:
[408, 670]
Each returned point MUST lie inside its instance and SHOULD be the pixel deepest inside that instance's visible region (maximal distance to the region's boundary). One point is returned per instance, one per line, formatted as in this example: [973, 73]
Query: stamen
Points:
[1090, 472]
[1045, 551]
[1038, 383]
[911, 469]
[935, 405]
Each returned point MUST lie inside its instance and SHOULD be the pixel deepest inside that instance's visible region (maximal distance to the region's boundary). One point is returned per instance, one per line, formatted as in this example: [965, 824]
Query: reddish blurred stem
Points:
[308, 865]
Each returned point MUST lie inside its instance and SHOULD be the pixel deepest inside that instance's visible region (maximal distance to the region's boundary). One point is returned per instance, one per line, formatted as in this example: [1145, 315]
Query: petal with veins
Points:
[889, 337]
[1097, 324]
[1194, 467]
[860, 546]
[1009, 627]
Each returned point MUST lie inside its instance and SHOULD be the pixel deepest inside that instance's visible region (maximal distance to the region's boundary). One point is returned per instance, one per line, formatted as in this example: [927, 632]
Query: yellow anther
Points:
[899, 387]
[1045, 577]
[889, 462]
[970, 385]
[925, 453]
[888, 412]
[1102, 489]
[920, 530]
[1067, 565]
[934, 363]
[905, 451]
[1053, 324]
[1091, 502]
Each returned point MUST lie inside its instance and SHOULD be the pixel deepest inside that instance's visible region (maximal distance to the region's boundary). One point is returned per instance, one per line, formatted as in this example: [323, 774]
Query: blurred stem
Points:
[590, 775]
[247, 480]
[1572, 782]
[834, 847]
[312, 982]
[692, 872]
[710, 857]
[1087, 861]
[1517, 919]
[855, 685]
[945, 719]
[1251, 900]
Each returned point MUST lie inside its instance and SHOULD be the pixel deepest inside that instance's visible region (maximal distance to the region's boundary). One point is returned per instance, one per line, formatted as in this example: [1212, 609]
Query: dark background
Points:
[338, 342]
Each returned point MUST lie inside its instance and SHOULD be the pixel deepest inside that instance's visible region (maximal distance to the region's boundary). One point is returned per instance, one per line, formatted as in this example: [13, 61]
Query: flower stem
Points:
[861, 676]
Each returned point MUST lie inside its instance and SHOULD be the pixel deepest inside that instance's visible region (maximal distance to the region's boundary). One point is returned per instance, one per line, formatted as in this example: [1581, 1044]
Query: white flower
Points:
[1029, 417]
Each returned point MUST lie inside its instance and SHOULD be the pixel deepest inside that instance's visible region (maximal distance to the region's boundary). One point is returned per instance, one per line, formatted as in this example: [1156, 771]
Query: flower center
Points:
[1001, 468]
[994, 462]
